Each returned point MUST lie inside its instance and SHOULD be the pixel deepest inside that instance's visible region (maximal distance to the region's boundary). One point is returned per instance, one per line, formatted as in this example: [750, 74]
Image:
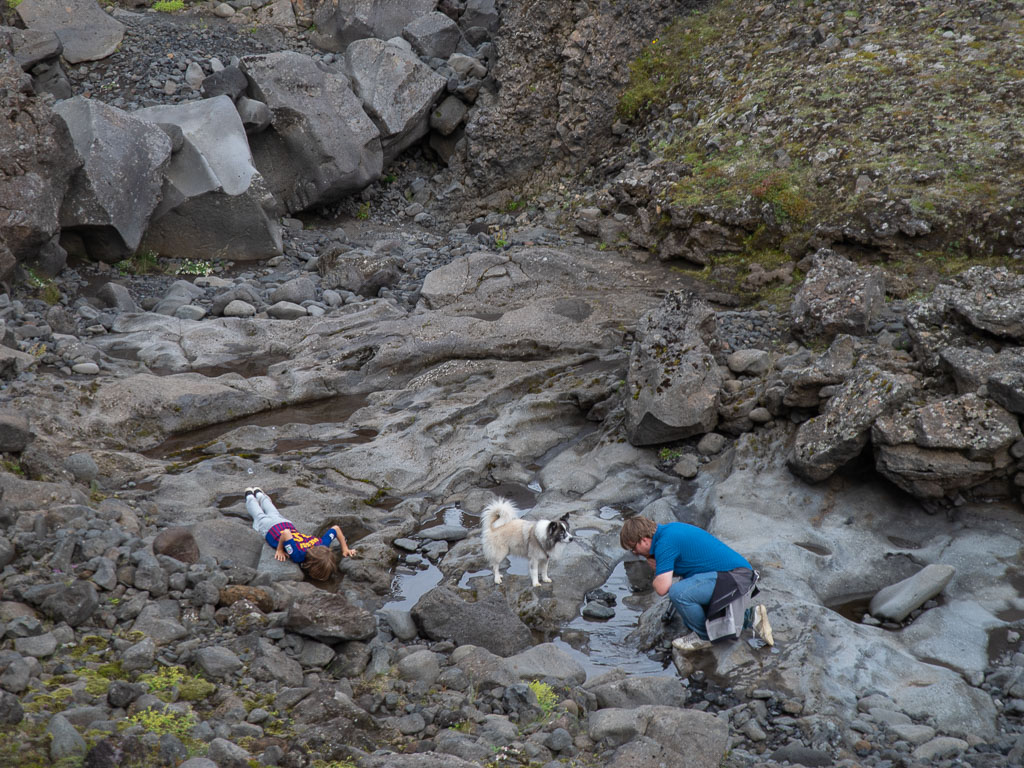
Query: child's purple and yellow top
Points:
[300, 542]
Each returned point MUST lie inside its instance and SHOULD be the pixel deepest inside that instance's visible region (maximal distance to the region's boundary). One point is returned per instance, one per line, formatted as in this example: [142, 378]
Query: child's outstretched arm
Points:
[345, 551]
[279, 554]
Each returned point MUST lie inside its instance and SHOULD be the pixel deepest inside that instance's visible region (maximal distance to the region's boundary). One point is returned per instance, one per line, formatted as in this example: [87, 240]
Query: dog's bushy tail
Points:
[497, 513]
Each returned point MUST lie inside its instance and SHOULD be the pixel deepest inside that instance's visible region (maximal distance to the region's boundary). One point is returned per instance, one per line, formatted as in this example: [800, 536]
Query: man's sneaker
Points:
[762, 627]
[690, 642]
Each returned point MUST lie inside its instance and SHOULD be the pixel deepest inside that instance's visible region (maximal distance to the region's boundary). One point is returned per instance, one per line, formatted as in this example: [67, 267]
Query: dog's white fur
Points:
[504, 533]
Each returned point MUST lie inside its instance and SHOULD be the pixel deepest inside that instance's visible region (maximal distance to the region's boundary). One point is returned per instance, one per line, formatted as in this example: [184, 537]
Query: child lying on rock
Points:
[311, 553]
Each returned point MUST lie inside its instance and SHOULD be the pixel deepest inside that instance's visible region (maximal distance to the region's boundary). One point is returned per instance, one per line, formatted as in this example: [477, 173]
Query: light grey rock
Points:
[672, 387]
[837, 297]
[321, 145]
[215, 203]
[118, 186]
[36, 646]
[117, 297]
[753, 362]
[286, 310]
[940, 748]
[943, 446]
[912, 734]
[433, 36]
[82, 466]
[86, 32]
[239, 308]
[358, 271]
[420, 666]
[839, 434]
[702, 737]
[546, 661]
[396, 89]
[33, 46]
[402, 625]
[711, 444]
[296, 291]
[65, 741]
[448, 115]
[621, 691]
[487, 622]
[330, 617]
[897, 601]
[217, 661]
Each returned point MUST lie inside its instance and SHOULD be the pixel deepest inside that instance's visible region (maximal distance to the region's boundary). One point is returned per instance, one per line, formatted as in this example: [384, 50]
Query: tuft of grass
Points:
[179, 724]
[141, 263]
[668, 61]
[169, 6]
[546, 696]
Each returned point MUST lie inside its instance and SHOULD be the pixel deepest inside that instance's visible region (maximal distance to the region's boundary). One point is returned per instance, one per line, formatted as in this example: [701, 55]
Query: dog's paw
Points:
[497, 579]
[546, 580]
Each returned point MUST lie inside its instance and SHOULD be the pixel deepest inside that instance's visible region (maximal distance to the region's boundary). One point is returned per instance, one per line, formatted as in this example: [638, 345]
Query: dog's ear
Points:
[564, 518]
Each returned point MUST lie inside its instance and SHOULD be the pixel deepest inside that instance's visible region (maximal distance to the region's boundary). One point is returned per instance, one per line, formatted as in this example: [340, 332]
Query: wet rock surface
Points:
[391, 379]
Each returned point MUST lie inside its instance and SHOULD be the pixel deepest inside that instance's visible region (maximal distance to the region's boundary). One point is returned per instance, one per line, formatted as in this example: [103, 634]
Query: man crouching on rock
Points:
[714, 577]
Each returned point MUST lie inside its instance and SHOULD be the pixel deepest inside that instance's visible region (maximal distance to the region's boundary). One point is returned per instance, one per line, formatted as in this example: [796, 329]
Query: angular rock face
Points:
[86, 31]
[118, 187]
[36, 160]
[397, 91]
[340, 22]
[981, 299]
[327, 616]
[433, 36]
[215, 203]
[826, 442]
[672, 387]
[944, 446]
[545, 47]
[837, 297]
[321, 146]
[488, 622]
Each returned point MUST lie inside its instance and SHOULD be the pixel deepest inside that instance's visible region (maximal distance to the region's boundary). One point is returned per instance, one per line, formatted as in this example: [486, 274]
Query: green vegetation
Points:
[910, 127]
[364, 211]
[179, 724]
[169, 6]
[546, 696]
[141, 263]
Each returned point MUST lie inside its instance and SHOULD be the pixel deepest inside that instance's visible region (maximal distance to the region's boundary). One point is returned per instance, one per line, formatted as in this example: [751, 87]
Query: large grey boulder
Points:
[215, 203]
[828, 441]
[15, 431]
[38, 161]
[85, 30]
[986, 299]
[700, 736]
[488, 621]
[672, 387]
[433, 36]
[397, 91]
[837, 297]
[834, 366]
[340, 22]
[330, 617]
[321, 146]
[33, 46]
[359, 271]
[896, 601]
[118, 186]
[944, 446]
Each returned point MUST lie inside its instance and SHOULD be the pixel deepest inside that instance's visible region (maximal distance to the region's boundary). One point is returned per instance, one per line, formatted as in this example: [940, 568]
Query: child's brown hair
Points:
[319, 563]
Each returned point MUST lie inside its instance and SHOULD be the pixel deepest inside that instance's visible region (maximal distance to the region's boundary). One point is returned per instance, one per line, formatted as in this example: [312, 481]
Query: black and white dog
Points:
[505, 534]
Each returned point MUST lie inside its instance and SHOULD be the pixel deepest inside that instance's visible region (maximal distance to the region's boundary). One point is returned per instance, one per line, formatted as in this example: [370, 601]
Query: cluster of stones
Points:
[938, 400]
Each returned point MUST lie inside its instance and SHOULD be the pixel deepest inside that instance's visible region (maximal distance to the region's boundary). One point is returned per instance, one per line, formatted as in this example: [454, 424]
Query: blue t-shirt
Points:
[686, 550]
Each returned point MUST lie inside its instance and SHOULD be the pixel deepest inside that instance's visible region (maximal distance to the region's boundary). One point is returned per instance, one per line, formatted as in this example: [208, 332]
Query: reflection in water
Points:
[408, 586]
[600, 646]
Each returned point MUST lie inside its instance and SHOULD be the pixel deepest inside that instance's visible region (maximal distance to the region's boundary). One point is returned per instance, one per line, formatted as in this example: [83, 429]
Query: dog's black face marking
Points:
[557, 533]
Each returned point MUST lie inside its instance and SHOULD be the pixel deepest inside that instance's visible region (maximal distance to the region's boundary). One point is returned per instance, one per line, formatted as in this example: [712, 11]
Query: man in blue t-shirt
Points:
[679, 549]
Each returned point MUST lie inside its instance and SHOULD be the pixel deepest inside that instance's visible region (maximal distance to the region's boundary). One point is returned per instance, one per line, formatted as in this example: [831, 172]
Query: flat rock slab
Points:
[85, 30]
[896, 601]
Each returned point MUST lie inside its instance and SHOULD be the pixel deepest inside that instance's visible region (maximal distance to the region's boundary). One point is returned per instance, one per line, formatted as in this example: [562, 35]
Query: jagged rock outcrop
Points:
[214, 203]
[837, 297]
[397, 91]
[320, 145]
[36, 160]
[340, 23]
[86, 32]
[672, 387]
[112, 195]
